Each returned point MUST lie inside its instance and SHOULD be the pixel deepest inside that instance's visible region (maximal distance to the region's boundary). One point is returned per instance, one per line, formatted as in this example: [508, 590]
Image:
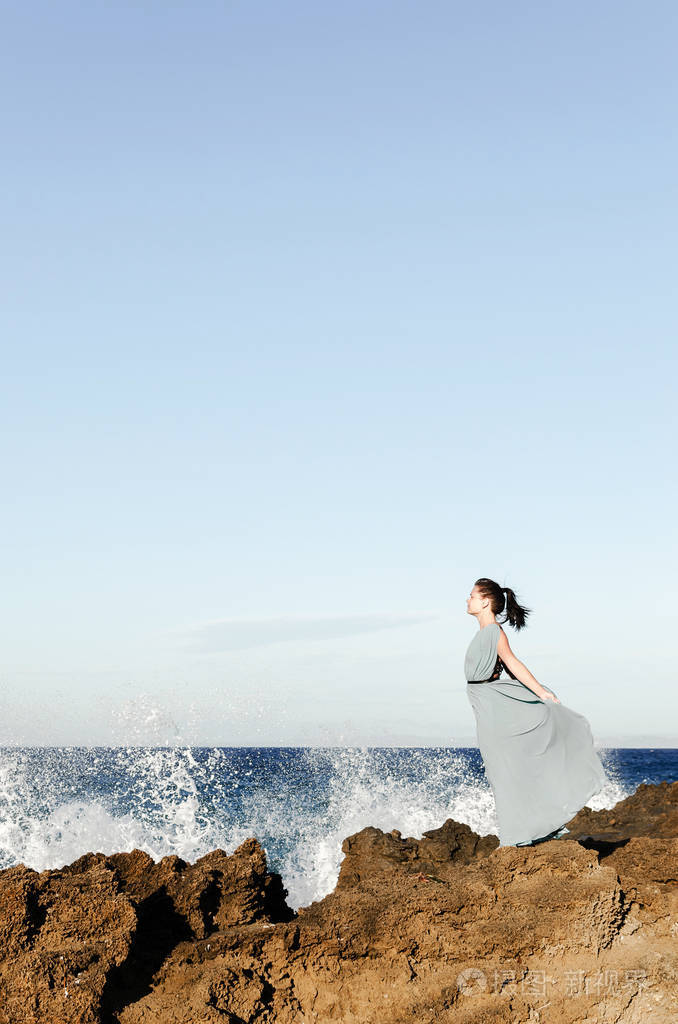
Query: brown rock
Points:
[449, 927]
[439, 851]
[82, 942]
[397, 947]
[63, 934]
[651, 811]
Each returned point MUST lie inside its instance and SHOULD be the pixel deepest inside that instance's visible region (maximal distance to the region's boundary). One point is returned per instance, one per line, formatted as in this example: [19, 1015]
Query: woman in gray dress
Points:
[538, 754]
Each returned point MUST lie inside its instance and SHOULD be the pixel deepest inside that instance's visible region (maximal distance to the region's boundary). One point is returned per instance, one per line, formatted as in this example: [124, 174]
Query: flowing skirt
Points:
[539, 759]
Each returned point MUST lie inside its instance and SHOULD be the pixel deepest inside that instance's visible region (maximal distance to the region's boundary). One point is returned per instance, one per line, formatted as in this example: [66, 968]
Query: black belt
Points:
[482, 680]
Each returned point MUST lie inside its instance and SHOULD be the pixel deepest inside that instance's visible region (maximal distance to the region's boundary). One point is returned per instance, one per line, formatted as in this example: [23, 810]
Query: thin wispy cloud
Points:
[239, 633]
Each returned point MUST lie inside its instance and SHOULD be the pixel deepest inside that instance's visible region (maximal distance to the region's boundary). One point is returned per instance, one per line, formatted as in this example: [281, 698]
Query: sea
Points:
[57, 803]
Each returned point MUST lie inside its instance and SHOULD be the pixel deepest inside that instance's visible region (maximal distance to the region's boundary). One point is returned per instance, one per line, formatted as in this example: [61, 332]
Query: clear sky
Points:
[312, 314]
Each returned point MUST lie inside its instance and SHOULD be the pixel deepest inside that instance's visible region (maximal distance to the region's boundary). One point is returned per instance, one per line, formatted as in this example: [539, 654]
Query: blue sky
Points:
[313, 314]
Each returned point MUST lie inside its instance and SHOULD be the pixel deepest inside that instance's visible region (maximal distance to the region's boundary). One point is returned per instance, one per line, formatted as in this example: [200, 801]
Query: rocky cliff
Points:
[449, 927]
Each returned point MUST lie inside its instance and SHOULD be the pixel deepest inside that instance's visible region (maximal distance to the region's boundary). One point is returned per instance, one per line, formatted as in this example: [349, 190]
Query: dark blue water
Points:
[58, 803]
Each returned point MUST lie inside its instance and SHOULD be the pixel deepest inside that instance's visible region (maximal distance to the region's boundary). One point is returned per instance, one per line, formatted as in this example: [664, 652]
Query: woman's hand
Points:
[550, 696]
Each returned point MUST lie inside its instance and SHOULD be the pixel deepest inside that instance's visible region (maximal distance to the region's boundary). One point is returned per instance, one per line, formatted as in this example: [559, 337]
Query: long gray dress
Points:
[539, 756]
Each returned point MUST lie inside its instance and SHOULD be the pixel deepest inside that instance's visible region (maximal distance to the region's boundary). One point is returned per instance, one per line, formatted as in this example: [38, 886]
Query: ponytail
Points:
[503, 599]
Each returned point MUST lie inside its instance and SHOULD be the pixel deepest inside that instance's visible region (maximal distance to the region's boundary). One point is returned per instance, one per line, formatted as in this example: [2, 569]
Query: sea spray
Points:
[58, 803]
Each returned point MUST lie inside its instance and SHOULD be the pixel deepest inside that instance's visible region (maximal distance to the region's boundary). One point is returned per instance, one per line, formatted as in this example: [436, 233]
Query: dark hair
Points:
[503, 598]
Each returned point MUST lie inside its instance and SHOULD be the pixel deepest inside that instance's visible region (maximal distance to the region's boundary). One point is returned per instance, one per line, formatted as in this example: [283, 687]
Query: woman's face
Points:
[474, 602]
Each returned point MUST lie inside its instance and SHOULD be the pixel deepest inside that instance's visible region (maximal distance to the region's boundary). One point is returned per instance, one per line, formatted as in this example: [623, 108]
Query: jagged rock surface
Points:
[449, 927]
[651, 811]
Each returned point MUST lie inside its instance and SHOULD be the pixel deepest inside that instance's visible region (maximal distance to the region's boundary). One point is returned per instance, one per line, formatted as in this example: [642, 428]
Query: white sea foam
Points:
[175, 800]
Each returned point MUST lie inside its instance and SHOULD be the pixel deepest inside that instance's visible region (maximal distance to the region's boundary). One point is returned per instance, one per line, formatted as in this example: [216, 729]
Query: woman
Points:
[538, 754]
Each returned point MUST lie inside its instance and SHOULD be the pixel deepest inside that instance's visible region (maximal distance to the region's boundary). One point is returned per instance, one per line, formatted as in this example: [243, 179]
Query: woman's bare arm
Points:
[520, 671]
